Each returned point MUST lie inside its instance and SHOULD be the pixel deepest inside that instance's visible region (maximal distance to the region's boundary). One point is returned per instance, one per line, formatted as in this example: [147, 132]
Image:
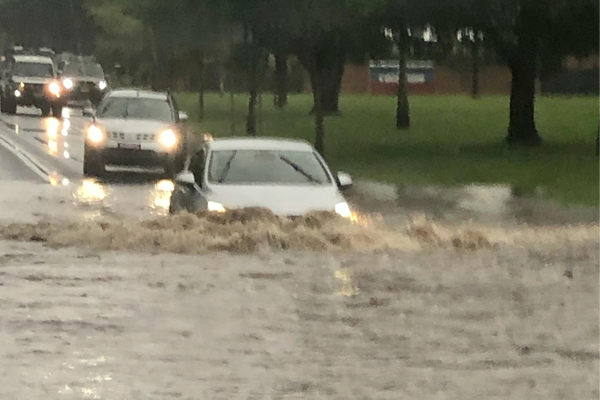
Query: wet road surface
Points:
[507, 322]
[51, 150]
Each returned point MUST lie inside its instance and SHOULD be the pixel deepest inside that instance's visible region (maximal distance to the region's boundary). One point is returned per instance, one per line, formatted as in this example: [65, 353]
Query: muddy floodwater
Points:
[471, 295]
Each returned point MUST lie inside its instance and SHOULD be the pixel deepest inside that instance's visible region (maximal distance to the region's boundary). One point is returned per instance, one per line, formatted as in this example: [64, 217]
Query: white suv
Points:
[135, 128]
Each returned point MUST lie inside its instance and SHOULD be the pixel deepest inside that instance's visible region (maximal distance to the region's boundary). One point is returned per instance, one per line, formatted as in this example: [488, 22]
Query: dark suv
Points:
[30, 79]
[83, 79]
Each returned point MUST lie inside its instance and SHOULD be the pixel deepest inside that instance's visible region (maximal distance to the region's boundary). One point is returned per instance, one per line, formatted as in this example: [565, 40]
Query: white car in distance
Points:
[288, 177]
[135, 128]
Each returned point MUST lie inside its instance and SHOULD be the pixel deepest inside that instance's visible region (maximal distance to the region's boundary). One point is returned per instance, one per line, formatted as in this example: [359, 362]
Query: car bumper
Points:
[38, 99]
[147, 155]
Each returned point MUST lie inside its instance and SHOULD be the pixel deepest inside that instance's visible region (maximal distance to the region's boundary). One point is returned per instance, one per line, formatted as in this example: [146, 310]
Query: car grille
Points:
[140, 137]
[34, 88]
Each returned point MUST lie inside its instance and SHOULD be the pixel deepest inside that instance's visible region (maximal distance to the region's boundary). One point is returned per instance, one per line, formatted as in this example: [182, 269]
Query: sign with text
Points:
[384, 74]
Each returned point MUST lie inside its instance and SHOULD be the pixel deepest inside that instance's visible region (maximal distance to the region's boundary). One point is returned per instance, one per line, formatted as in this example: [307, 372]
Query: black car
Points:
[84, 81]
[30, 79]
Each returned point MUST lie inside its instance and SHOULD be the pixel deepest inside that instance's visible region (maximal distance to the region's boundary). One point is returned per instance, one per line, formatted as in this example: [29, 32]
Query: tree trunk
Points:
[403, 106]
[319, 114]
[522, 129]
[201, 87]
[253, 90]
[221, 81]
[475, 59]
[330, 83]
[281, 72]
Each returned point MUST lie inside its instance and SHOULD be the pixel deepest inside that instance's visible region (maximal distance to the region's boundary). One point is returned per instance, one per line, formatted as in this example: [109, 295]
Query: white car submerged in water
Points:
[288, 177]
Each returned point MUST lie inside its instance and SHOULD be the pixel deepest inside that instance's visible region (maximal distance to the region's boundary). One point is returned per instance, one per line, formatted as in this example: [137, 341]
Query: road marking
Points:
[42, 171]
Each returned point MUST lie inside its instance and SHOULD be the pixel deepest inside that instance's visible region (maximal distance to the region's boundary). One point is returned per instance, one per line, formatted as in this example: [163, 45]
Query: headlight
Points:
[102, 85]
[95, 134]
[343, 209]
[17, 93]
[168, 138]
[68, 83]
[215, 207]
[54, 88]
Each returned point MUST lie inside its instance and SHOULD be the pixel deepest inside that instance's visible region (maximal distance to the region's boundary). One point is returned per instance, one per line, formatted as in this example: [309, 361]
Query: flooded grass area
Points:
[453, 140]
[509, 322]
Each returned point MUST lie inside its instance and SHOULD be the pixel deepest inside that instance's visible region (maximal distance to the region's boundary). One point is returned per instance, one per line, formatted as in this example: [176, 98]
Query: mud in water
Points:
[253, 229]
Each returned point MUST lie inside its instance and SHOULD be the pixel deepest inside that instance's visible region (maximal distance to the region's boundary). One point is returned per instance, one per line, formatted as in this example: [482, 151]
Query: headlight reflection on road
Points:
[346, 284]
[160, 197]
[66, 125]
[56, 179]
[90, 191]
[52, 125]
[52, 146]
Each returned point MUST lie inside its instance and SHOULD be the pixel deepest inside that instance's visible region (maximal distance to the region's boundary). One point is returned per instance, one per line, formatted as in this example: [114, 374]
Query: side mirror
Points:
[88, 113]
[183, 116]
[185, 178]
[344, 180]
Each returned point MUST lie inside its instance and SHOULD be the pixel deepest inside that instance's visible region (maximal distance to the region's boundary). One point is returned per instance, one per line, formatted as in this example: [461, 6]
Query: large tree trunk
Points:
[522, 129]
[281, 72]
[475, 71]
[330, 81]
[402, 106]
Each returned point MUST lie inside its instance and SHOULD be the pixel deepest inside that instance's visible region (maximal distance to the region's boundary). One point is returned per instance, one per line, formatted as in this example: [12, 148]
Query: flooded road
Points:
[51, 151]
[506, 312]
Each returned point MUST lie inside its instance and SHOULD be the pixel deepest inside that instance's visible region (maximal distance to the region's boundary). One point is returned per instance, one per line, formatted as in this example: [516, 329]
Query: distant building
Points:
[380, 77]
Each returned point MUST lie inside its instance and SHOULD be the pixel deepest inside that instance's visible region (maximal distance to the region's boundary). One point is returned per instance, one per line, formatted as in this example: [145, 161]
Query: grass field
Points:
[453, 140]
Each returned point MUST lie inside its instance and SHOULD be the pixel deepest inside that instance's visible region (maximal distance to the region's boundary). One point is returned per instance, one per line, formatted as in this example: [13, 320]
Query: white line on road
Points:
[42, 171]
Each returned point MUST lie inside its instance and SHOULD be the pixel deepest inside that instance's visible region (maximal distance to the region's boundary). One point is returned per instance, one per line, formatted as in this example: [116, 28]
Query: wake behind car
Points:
[135, 128]
[30, 79]
[288, 177]
[83, 79]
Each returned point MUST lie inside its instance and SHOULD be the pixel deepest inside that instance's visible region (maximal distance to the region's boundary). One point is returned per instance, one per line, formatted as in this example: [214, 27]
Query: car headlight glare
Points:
[54, 88]
[102, 85]
[168, 138]
[17, 93]
[95, 134]
[213, 206]
[343, 210]
[68, 83]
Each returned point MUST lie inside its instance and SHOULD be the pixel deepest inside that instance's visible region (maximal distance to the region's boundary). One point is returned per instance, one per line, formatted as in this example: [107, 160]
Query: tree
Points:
[51, 23]
[407, 20]
[521, 31]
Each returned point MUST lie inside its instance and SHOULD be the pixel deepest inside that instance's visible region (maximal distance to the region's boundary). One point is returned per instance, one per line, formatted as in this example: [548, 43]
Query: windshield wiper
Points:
[299, 169]
[227, 167]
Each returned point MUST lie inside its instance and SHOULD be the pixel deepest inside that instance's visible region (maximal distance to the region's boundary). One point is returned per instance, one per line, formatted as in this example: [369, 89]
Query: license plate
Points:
[131, 146]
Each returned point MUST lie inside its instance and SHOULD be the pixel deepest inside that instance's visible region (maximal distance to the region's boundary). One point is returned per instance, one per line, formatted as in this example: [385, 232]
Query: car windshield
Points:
[271, 167]
[79, 69]
[136, 108]
[33, 69]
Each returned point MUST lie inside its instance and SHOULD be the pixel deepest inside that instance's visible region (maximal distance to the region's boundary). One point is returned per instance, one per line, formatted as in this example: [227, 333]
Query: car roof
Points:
[146, 94]
[33, 59]
[260, 143]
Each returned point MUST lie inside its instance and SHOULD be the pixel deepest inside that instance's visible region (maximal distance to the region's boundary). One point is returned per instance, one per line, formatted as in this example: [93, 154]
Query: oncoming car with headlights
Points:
[135, 128]
[288, 177]
[31, 80]
[84, 81]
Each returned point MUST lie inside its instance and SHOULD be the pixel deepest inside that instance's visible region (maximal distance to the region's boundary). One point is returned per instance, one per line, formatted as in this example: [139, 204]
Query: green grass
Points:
[453, 140]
